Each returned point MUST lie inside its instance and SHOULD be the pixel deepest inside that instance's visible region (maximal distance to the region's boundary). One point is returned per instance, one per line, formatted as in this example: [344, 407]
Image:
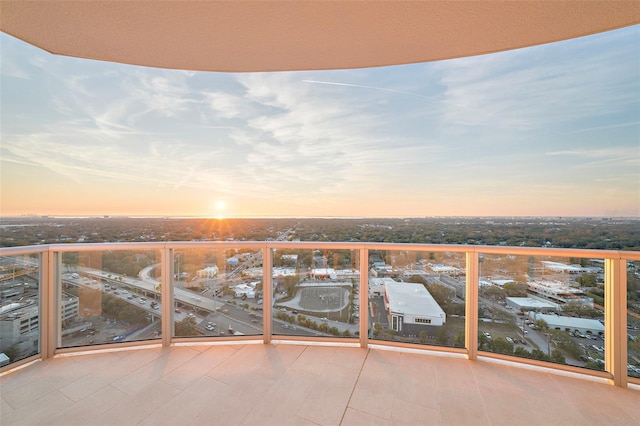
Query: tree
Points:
[587, 280]
[440, 293]
[515, 289]
[290, 283]
[459, 342]
[501, 346]
[542, 325]
[557, 356]
[493, 292]
[186, 327]
[442, 337]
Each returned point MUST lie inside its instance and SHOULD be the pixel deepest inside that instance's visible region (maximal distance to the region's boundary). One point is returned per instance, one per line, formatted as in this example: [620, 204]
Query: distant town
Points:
[590, 233]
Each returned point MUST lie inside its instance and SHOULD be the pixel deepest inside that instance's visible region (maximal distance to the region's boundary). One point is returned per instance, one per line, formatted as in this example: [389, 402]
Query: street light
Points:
[548, 343]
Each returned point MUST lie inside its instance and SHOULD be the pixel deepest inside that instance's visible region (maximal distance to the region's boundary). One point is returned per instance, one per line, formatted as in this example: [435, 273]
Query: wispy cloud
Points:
[362, 86]
[614, 152]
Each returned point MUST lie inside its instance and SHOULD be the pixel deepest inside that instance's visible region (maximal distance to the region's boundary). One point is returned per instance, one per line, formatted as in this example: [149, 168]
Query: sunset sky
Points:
[551, 130]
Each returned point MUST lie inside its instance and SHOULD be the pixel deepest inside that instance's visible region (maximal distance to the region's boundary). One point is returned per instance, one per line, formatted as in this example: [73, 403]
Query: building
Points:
[415, 272]
[537, 304]
[411, 307]
[570, 269]
[345, 274]
[444, 270]
[245, 291]
[69, 307]
[376, 285]
[323, 274]
[558, 292]
[570, 324]
[208, 272]
[17, 322]
[280, 272]
[382, 270]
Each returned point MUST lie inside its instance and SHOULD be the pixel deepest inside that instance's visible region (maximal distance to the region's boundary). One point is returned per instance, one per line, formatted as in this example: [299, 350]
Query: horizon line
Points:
[126, 216]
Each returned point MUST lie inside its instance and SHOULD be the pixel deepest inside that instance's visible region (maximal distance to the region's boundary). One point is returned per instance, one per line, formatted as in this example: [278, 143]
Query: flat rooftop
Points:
[279, 384]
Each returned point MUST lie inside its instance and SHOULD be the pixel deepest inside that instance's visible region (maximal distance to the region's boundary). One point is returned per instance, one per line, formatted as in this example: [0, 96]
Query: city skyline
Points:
[550, 130]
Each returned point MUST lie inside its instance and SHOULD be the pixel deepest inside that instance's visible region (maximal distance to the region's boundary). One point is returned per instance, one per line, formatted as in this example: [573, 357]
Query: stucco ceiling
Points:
[300, 35]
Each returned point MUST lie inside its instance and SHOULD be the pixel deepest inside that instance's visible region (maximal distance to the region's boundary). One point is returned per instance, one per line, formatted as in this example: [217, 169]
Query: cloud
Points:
[227, 105]
[361, 86]
[613, 152]
[541, 86]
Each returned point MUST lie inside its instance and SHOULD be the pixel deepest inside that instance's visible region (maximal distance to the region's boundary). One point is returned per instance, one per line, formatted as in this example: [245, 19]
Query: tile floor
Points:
[283, 384]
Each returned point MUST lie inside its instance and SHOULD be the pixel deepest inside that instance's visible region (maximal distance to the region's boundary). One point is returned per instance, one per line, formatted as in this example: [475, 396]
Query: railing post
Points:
[471, 305]
[267, 293]
[615, 319]
[166, 294]
[47, 320]
[364, 297]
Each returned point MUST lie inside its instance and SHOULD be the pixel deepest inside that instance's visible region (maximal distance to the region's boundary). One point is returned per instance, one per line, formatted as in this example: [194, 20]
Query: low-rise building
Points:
[443, 269]
[569, 324]
[208, 272]
[411, 308]
[537, 304]
[246, 291]
[558, 292]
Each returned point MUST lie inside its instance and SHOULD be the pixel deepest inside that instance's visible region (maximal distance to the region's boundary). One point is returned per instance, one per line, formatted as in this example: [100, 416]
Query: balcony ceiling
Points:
[235, 36]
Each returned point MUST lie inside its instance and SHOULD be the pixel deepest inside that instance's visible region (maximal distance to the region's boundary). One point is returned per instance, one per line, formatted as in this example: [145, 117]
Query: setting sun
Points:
[219, 212]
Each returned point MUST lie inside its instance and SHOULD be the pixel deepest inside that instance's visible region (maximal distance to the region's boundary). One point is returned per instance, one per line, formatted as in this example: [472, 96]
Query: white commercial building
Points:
[411, 307]
[558, 322]
[376, 285]
[571, 269]
[443, 269]
[559, 292]
[246, 291]
[344, 274]
[323, 273]
[532, 304]
[208, 272]
[281, 272]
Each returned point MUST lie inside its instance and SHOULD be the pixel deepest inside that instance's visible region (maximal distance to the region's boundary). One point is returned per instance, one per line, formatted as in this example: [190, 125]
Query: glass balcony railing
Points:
[574, 310]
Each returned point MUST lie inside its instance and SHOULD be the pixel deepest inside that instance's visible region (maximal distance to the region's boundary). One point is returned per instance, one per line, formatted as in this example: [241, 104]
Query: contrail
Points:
[365, 87]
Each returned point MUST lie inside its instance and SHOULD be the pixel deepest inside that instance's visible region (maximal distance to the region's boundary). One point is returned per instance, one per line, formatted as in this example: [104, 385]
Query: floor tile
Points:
[38, 411]
[354, 417]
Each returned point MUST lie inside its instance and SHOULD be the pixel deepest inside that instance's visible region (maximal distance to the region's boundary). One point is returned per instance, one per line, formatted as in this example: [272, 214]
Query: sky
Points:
[550, 130]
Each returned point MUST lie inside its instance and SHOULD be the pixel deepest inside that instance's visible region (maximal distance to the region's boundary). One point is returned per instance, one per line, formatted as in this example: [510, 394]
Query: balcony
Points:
[321, 333]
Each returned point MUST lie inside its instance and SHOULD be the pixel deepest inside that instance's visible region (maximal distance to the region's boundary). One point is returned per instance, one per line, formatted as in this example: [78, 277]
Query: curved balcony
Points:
[347, 333]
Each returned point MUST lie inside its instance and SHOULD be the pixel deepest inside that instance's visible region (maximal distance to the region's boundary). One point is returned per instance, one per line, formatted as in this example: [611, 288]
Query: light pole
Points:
[548, 343]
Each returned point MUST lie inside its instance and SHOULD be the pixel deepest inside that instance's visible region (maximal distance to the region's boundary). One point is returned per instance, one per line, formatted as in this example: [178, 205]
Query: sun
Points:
[219, 211]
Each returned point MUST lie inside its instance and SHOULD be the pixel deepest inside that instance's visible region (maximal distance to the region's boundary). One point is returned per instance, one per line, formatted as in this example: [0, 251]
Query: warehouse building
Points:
[411, 308]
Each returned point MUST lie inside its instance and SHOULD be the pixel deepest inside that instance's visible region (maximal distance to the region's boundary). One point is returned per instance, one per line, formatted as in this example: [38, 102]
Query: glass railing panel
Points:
[19, 307]
[315, 292]
[217, 292]
[544, 308]
[109, 296]
[417, 297]
[633, 319]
